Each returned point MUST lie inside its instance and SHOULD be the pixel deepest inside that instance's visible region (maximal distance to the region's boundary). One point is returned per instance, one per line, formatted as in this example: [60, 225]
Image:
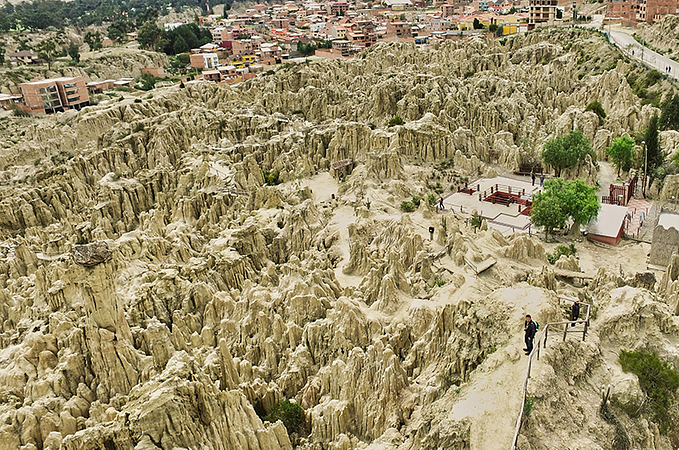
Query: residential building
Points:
[624, 10]
[97, 87]
[245, 47]
[228, 73]
[338, 8]
[212, 75]
[399, 29]
[342, 46]
[24, 57]
[54, 95]
[270, 54]
[657, 9]
[543, 11]
[204, 60]
[7, 100]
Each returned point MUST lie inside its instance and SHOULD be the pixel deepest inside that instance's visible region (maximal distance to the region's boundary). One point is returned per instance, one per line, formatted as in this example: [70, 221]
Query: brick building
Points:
[542, 11]
[631, 12]
[657, 9]
[54, 95]
[399, 30]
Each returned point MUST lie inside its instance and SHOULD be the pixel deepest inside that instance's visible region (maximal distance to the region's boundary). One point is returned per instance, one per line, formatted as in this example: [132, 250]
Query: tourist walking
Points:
[532, 177]
[529, 330]
[575, 311]
[542, 180]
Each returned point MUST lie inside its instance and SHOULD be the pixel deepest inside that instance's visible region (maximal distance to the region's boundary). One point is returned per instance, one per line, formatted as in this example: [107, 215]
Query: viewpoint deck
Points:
[504, 202]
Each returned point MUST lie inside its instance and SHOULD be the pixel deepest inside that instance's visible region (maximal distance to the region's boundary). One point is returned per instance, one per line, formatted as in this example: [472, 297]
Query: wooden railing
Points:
[536, 352]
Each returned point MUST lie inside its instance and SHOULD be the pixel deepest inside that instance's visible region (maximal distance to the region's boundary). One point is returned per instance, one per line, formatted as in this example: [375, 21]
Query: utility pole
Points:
[643, 143]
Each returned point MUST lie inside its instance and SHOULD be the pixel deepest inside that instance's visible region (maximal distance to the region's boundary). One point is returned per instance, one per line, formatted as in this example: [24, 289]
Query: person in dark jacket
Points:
[530, 330]
[575, 311]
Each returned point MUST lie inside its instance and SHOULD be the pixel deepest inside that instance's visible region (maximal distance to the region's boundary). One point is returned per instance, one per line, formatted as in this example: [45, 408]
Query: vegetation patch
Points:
[659, 381]
[560, 251]
[291, 414]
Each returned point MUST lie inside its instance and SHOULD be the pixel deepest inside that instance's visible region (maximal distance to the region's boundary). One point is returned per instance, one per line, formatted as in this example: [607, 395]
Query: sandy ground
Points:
[492, 397]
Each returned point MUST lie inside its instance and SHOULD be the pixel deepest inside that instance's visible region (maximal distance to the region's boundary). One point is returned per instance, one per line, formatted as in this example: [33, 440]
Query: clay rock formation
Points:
[230, 267]
[89, 255]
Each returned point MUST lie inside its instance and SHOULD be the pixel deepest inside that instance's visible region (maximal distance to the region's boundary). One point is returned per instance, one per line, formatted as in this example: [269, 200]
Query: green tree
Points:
[118, 30]
[148, 35]
[563, 200]
[306, 49]
[74, 52]
[669, 115]
[477, 25]
[148, 82]
[622, 153]
[180, 45]
[566, 151]
[47, 50]
[579, 201]
[291, 414]
[547, 211]
[655, 156]
[93, 40]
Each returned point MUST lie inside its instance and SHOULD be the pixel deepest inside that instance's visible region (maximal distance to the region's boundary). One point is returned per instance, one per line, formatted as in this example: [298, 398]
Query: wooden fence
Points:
[536, 352]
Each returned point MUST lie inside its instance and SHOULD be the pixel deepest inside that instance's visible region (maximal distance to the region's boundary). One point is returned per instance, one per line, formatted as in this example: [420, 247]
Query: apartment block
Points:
[204, 60]
[55, 95]
[542, 11]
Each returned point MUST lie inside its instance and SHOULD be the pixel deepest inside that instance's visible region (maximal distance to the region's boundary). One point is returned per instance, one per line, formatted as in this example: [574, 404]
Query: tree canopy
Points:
[563, 200]
[566, 151]
[47, 50]
[183, 39]
[669, 115]
[655, 156]
[42, 14]
[622, 153]
[93, 40]
[74, 52]
[148, 35]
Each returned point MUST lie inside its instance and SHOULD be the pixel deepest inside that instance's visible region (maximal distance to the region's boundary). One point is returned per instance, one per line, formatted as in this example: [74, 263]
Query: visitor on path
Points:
[542, 180]
[532, 177]
[575, 311]
[530, 330]
[441, 207]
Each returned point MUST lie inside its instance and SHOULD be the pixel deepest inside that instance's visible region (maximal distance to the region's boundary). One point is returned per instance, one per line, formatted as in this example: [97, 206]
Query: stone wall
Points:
[665, 242]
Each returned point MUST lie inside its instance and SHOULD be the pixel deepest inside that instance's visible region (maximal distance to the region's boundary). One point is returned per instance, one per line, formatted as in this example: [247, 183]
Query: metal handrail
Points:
[536, 351]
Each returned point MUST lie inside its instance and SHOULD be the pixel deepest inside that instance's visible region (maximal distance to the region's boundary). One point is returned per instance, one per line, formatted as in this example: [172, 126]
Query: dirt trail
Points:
[607, 175]
[344, 217]
[491, 399]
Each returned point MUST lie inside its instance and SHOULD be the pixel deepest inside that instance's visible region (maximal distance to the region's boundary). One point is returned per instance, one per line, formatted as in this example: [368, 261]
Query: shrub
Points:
[416, 200]
[137, 100]
[528, 406]
[17, 111]
[138, 127]
[561, 250]
[657, 379]
[291, 414]
[476, 221]
[597, 108]
[407, 206]
[396, 120]
[431, 199]
[271, 178]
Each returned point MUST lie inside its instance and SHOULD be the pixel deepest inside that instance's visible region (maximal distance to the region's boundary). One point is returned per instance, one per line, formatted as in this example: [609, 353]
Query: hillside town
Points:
[251, 42]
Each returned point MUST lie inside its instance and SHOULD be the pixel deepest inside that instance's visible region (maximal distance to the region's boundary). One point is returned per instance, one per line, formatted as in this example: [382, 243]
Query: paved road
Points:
[637, 51]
